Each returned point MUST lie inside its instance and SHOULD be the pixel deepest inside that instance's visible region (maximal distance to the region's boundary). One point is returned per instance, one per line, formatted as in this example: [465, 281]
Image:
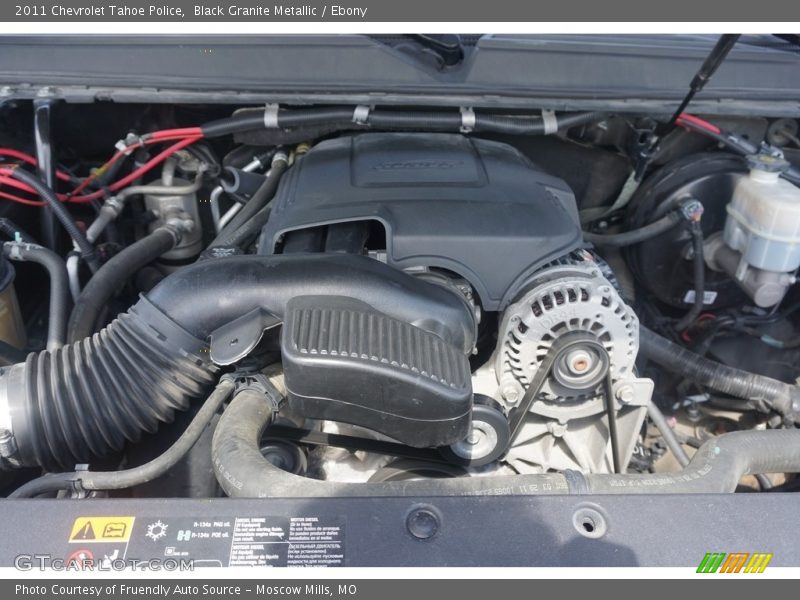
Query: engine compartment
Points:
[405, 301]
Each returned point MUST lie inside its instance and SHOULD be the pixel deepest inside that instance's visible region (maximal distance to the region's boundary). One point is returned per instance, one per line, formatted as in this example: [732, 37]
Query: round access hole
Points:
[589, 523]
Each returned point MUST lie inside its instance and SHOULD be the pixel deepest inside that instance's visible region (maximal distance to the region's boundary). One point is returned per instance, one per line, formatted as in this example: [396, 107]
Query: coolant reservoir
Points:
[764, 217]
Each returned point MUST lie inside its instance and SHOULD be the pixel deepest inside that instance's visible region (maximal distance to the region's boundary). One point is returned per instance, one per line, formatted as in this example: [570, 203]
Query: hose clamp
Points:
[256, 382]
[116, 204]
[361, 114]
[271, 116]
[8, 444]
[550, 122]
[14, 250]
[467, 119]
[179, 223]
[280, 156]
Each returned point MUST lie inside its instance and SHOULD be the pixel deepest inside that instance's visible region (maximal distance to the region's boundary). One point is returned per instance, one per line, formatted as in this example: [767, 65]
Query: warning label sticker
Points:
[242, 541]
[101, 529]
[303, 541]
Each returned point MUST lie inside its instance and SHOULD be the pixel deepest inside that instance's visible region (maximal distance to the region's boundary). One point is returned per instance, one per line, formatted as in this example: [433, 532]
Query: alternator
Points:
[567, 425]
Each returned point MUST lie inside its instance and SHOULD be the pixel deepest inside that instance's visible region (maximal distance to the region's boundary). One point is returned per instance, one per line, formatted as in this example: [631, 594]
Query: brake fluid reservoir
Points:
[764, 217]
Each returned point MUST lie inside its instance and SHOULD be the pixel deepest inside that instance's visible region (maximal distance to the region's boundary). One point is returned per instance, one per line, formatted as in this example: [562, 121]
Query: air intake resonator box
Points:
[345, 361]
[444, 200]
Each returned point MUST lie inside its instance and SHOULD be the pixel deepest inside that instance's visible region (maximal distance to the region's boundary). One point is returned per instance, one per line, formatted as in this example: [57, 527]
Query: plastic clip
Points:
[550, 122]
[467, 119]
[129, 144]
[271, 116]
[257, 382]
[361, 114]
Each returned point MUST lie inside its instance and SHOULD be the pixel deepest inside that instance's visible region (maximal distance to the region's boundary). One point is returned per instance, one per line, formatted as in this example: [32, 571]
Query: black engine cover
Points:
[476, 207]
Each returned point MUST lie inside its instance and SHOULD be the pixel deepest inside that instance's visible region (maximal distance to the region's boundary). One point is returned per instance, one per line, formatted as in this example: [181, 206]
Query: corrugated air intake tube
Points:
[62, 407]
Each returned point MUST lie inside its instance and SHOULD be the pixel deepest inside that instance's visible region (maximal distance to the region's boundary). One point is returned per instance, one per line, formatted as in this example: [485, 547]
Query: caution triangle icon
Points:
[85, 533]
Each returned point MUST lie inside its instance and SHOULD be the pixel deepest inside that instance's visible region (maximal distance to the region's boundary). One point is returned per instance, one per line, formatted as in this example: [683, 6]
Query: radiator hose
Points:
[717, 467]
[60, 408]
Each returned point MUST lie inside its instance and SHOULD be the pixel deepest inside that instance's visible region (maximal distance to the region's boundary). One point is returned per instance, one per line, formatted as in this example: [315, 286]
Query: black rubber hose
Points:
[241, 183]
[117, 480]
[248, 231]
[343, 118]
[635, 236]
[59, 286]
[257, 202]
[764, 482]
[306, 117]
[242, 470]
[716, 467]
[423, 121]
[104, 284]
[776, 395]
[698, 278]
[531, 125]
[62, 214]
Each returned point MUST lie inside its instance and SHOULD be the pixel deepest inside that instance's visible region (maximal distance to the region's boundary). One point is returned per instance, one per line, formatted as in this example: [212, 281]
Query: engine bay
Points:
[291, 301]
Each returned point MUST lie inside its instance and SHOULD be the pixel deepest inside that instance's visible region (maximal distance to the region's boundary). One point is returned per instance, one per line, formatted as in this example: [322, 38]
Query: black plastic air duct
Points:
[61, 408]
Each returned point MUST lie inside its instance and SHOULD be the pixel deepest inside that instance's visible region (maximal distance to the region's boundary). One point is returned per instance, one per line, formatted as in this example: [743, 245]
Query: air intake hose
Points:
[62, 407]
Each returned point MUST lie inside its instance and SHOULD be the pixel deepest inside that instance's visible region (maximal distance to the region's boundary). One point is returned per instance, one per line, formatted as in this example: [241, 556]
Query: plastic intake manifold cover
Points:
[344, 361]
[445, 201]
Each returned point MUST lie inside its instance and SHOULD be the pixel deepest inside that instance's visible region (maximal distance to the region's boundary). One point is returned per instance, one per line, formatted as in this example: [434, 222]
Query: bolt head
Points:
[557, 429]
[510, 393]
[625, 394]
